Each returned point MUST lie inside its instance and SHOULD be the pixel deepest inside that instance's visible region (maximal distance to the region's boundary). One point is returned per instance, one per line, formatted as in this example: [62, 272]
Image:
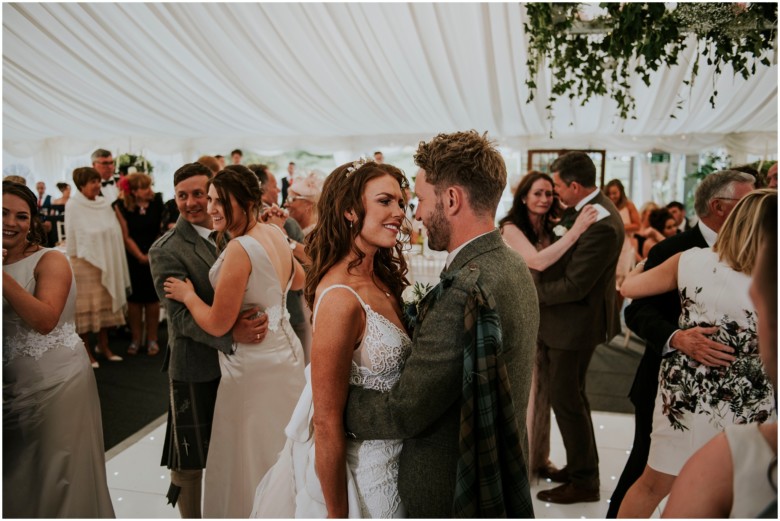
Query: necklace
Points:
[387, 293]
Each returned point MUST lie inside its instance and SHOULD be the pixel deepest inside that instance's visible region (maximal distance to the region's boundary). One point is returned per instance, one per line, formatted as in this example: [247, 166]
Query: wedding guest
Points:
[236, 156]
[694, 403]
[355, 279]
[644, 219]
[287, 181]
[662, 226]
[57, 214]
[631, 223]
[53, 460]
[299, 314]
[379, 157]
[261, 383]
[103, 162]
[486, 290]
[578, 307]
[656, 319]
[302, 200]
[528, 229]
[677, 209]
[191, 359]
[220, 160]
[170, 215]
[211, 163]
[771, 176]
[44, 201]
[735, 474]
[16, 179]
[97, 254]
[139, 212]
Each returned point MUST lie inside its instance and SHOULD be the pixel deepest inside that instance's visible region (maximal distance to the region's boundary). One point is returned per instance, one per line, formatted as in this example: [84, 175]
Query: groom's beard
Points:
[439, 229]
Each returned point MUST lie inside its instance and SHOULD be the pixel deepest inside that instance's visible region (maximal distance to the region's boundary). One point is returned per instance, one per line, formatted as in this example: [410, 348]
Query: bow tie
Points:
[106, 183]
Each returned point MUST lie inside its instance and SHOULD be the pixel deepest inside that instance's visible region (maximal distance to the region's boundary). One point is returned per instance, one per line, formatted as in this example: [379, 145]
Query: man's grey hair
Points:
[718, 184]
[100, 152]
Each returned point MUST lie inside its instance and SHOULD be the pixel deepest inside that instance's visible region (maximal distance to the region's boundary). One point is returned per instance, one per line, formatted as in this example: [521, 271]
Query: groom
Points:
[459, 184]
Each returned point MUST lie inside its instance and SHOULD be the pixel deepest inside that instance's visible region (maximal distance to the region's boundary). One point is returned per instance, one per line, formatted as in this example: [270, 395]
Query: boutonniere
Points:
[411, 298]
[560, 230]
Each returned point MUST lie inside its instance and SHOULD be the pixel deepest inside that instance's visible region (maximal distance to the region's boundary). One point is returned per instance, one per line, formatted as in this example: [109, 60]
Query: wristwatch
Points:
[292, 243]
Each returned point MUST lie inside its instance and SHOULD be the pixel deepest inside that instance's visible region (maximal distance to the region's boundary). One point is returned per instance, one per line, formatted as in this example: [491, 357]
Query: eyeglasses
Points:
[726, 198]
[293, 198]
[105, 163]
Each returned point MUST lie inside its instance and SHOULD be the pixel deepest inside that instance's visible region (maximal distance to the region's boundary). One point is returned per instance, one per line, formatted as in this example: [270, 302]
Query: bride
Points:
[354, 285]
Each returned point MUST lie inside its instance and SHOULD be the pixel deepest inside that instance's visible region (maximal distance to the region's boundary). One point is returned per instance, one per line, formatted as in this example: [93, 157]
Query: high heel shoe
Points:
[132, 349]
[112, 358]
[152, 348]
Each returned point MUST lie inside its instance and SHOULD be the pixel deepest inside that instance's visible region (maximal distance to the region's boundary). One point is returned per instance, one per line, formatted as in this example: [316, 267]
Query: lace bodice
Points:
[21, 340]
[376, 364]
[379, 359]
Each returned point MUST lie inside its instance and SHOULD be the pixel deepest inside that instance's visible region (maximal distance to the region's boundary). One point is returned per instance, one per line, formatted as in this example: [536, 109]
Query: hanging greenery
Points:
[599, 57]
[129, 163]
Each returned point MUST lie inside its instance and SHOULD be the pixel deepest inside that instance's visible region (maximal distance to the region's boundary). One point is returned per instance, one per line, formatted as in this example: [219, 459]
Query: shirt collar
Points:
[454, 253]
[203, 232]
[708, 233]
[586, 199]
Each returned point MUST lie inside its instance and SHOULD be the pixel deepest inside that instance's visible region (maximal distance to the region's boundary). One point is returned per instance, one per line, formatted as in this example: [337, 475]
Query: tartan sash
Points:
[491, 475]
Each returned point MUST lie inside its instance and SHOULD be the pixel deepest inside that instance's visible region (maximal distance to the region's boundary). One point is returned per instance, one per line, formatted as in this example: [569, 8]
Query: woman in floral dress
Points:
[696, 402]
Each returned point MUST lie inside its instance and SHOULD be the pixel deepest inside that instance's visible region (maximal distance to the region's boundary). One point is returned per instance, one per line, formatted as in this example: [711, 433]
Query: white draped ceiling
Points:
[205, 78]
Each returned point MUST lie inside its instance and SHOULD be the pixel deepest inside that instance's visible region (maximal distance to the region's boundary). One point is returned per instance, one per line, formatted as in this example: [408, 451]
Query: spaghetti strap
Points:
[317, 305]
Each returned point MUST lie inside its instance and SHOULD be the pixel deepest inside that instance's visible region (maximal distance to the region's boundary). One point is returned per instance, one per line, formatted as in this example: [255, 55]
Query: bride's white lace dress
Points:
[291, 488]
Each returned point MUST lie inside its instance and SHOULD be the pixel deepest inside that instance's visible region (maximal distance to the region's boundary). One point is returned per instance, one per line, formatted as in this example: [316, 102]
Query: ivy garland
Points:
[599, 58]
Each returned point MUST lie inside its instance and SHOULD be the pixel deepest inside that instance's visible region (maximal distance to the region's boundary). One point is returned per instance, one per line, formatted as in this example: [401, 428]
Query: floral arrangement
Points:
[411, 298]
[131, 163]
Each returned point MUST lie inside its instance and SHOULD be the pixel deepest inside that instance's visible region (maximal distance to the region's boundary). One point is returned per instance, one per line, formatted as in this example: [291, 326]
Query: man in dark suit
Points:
[677, 209]
[579, 311]
[191, 359]
[655, 318]
[459, 185]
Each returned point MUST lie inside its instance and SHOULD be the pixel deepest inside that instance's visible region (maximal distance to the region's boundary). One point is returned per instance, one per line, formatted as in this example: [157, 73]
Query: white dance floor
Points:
[138, 483]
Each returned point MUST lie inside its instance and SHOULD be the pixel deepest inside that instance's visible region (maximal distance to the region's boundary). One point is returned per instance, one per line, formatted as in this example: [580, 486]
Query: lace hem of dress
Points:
[377, 478]
[33, 344]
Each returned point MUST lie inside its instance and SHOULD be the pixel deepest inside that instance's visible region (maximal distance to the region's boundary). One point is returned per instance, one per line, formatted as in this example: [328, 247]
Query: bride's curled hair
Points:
[332, 238]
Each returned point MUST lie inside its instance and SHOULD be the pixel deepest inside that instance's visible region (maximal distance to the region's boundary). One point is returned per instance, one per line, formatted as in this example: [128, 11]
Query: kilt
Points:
[190, 414]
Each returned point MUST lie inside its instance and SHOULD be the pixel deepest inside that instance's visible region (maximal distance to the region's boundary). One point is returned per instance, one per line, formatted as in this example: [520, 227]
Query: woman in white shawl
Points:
[96, 250]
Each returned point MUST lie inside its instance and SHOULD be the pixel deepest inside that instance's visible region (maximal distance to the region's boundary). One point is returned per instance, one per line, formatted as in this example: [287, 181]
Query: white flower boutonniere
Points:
[560, 230]
[411, 297]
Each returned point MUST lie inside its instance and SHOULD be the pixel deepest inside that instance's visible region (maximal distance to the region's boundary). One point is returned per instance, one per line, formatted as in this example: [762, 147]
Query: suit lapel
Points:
[203, 249]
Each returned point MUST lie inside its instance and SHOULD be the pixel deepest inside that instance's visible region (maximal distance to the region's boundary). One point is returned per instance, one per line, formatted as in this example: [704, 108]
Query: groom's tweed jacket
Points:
[423, 408]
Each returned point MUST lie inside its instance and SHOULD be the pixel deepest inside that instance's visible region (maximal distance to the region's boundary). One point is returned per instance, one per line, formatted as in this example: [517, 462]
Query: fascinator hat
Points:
[309, 186]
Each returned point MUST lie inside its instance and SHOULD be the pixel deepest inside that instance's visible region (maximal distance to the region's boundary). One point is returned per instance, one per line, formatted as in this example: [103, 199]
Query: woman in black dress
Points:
[139, 210]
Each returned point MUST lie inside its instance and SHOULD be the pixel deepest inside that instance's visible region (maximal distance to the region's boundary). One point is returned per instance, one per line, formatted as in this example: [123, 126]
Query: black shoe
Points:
[568, 494]
[554, 474]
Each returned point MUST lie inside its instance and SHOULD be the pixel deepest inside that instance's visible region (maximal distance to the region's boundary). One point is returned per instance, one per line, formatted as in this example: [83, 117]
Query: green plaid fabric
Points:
[491, 477]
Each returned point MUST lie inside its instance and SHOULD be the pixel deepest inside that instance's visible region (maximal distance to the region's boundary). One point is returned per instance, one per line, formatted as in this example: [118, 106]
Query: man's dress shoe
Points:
[569, 493]
[554, 474]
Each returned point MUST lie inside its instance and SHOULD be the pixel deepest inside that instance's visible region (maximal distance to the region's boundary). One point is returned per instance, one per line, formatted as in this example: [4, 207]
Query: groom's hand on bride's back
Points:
[251, 327]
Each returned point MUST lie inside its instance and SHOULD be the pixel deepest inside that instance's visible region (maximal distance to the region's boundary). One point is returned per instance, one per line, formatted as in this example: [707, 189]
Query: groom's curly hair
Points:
[332, 238]
[465, 159]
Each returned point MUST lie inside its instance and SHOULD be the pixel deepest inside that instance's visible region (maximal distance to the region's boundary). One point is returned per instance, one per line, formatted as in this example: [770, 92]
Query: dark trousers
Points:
[637, 460]
[572, 412]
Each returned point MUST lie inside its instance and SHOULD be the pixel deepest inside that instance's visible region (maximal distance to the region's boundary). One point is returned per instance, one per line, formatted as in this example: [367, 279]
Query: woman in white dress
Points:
[354, 285]
[696, 402]
[260, 383]
[53, 459]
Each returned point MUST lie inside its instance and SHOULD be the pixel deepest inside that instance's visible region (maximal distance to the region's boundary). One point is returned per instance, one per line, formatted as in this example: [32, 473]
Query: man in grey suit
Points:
[579, 311]
[459, 185]
[191, 358]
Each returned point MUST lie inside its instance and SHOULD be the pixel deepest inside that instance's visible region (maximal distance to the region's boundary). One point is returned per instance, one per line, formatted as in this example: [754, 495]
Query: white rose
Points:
[560, 230]
[408, 295]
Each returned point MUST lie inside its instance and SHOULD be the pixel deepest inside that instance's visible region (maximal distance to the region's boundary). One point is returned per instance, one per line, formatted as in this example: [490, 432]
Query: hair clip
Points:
[356, 166]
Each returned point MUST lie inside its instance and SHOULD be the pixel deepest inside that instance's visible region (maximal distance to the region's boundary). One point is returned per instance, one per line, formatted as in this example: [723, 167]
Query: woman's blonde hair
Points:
[134, 181]
[740, 236]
